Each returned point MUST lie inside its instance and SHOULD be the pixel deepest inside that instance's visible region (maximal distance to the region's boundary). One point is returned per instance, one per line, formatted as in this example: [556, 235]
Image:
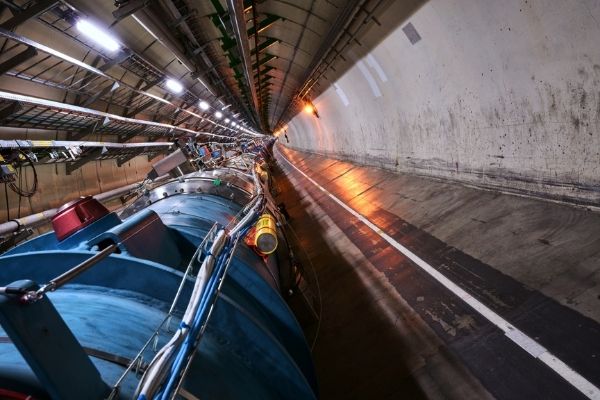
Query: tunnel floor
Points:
[499, 301]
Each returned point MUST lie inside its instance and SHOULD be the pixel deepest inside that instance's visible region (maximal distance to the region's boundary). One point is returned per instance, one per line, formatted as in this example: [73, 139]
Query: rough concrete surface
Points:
[502, 94]
[533, 262]
[549, 247]
[369, 343]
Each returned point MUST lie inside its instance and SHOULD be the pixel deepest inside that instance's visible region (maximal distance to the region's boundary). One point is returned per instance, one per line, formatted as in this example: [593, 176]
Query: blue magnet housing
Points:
[253, 347]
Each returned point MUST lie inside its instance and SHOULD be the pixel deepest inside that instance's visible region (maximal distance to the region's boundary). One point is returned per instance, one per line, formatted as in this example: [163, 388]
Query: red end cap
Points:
[75, 215]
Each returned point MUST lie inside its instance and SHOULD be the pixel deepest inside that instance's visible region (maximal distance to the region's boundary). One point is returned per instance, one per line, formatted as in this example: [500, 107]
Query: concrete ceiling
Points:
[256, 54]
[252, 60]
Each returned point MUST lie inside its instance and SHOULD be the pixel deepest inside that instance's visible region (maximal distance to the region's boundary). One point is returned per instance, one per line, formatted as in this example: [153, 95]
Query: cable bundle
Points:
[18, 188]
[164, 372]
[157, 370]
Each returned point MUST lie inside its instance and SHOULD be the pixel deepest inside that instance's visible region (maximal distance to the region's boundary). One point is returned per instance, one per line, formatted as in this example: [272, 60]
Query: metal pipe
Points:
[45, 216]
[238, 22]
[111, 194]
[30, 220]
[94, 113]
[43, 144]
[77, 270]
[148, 21]
[65, 277]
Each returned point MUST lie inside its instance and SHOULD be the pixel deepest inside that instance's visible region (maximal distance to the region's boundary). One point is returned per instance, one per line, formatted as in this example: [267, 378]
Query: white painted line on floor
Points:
[513, 333]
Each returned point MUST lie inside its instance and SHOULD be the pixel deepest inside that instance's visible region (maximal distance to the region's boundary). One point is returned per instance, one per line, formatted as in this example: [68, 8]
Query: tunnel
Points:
[422, 178]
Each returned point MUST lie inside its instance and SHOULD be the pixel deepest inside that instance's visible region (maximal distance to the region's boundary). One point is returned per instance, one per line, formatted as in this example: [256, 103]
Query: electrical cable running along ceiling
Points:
[260, 52]
[221, 67]
[66, 57]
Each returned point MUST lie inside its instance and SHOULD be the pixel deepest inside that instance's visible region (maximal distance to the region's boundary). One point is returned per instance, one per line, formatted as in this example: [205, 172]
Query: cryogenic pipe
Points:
[257, 206]
[14, 224]
[44, 216]
[111, 194]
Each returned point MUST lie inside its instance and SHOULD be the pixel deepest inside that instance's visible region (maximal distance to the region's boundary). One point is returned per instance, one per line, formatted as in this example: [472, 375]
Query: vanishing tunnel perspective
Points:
[311, 199]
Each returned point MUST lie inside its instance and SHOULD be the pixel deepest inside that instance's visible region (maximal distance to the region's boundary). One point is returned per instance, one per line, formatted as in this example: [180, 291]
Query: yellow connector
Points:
[265, 238]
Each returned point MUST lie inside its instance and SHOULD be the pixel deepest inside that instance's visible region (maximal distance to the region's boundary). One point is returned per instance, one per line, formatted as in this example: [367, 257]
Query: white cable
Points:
[159, 366]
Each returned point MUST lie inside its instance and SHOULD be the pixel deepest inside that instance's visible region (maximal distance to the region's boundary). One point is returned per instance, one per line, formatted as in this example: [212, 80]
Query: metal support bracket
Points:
[141, 108]
[264, 60]
[130, 8]
[84, 132]
[264, 70]
[6, 112]
[20, 58]
[125, 158]
[104, 91]
[73, 166]
[31, 12]
[127, 136]
[123, 55]
[266, 22]
[49, 347]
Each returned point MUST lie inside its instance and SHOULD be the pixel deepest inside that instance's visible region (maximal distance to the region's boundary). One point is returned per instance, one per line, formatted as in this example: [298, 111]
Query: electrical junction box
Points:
[7, 173]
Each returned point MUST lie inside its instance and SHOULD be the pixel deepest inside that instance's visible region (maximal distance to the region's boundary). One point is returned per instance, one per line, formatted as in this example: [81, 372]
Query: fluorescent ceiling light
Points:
[218, 115]
[98, 35]
[174, 86]
[227, 120]
[226, 107]
[204, 105]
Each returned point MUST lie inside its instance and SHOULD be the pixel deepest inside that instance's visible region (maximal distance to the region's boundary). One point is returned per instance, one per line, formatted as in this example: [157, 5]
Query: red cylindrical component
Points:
[6, 394]
[75, 215]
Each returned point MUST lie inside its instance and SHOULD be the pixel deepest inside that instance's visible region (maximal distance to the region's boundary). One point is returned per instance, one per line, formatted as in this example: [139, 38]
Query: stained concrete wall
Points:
[55, 187]
[502, 94]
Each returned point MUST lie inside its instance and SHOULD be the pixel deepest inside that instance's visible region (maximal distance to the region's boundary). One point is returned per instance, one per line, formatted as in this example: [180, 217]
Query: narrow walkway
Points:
[499, 298]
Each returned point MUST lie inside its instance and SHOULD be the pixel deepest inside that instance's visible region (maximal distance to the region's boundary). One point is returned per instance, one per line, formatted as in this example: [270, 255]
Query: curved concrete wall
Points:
[502, 94]
[56, 188]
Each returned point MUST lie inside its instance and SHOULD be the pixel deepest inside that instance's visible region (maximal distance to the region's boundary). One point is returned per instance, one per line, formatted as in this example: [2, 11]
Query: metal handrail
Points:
[166, 357]
[167, 320]
[64, 278]
[203, 329]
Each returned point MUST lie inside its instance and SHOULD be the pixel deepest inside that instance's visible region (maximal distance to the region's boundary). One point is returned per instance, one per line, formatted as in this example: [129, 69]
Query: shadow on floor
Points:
[358, 353]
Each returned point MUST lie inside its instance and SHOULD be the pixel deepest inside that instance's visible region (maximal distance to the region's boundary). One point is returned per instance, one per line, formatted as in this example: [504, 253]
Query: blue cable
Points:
[201, 315]
[197, 322]
[185, 347]
[184, 350]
